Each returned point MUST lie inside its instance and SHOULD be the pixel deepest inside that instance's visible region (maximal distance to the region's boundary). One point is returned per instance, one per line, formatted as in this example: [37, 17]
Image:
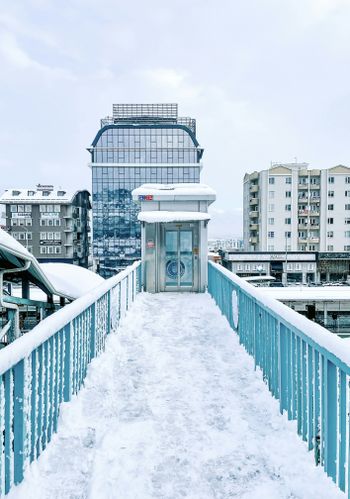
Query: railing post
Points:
[93, 331]
[67, 391]
[109, 302]
[19, 429]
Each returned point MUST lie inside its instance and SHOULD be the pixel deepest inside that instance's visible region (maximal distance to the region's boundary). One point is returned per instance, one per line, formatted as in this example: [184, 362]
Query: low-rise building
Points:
[53, 224]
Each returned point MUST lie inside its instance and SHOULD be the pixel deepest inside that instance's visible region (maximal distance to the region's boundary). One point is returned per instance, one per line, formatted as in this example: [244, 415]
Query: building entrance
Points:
[179, 258]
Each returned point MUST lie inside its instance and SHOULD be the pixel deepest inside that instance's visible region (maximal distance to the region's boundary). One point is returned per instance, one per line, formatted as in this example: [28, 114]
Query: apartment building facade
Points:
[291, 207]
[53, 224]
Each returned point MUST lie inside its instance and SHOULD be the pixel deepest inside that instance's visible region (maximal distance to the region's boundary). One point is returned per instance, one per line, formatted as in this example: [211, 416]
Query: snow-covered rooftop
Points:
[37, 195]
[71, 280]
[172, 216]
[174, 192]
[62, 279]
[305, 293]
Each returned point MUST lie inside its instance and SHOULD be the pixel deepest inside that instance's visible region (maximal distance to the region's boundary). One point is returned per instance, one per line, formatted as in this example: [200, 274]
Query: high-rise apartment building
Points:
[53, 224]
[138, 144]
[290, 207]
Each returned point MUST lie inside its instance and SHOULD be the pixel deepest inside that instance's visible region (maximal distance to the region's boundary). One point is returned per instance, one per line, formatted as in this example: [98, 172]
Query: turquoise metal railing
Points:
[305, 366]
[48, 365]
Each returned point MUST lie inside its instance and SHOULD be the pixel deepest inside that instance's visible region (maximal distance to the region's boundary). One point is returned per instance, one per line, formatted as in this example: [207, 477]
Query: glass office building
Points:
[138, 144]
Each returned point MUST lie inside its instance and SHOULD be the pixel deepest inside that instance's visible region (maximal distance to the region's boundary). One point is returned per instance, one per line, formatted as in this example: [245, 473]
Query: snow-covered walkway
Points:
[174, 409]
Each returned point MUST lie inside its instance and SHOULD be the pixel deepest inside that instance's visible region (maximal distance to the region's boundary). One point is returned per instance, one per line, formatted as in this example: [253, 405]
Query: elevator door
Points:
[179, 262]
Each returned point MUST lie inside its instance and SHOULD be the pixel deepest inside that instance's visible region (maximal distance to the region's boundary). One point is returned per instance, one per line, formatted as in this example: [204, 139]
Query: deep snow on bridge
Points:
[174, 409]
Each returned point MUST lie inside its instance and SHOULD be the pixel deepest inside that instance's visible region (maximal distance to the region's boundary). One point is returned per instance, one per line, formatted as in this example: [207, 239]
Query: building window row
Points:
[23, 236]
[21, 222]
[49, 208]
[50, 236]
[21, 208]
[50, 222]
[50, 250]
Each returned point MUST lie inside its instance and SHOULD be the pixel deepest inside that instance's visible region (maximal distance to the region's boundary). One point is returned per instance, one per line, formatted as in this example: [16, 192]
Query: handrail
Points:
[306, 367]
[45, 367]
[5, 329]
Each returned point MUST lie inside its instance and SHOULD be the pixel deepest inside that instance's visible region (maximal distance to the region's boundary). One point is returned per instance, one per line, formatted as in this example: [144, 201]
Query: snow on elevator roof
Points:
[172, 216]
[175, 191]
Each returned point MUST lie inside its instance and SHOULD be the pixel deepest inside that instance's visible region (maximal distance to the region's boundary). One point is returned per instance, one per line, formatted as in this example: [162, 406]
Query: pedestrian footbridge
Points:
[125, 394]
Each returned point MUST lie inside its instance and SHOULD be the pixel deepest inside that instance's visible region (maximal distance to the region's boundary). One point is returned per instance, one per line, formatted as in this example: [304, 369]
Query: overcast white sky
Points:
[267, 80]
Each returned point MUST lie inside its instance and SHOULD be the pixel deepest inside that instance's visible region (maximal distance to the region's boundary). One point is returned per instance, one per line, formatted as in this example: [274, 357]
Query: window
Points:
[271, 208]
[347, 221]
[330, 247]
[31, 193]
[331, 180]
[46, 193]
[347, 194]
[347, 206]
[330, 221]
[56, 208]
[331, 194]
[271, 180]
[347, 180]
[287, 235]
[29, 222]
[57, 250]
[288, 221]
[42, 250]
[28, 208]
[330, 233]
[57, 236]
[50, 236]
[271, 221]
[288, 207]
[288, 180]
[43, 236]
[271, 234]
[271, 194]
[347, 233]
[347, 247]
[288, 194]
[20, 208]
[330, 207]
[13, 208]
[61, 193]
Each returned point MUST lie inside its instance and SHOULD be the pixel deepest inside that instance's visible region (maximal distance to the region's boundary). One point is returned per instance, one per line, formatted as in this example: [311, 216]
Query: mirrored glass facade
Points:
[126, 153]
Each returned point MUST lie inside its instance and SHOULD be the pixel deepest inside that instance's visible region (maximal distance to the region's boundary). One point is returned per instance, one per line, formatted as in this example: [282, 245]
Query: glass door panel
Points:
[186, 258]
[171, 258]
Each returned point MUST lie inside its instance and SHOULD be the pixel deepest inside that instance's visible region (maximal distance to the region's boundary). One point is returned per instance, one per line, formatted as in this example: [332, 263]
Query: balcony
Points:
[254, 188]
[253, 201]
[314, 227]
[315, 199]
[303, 186]
[303, 199]
[254, 226]
[253, 240]
[254, 214]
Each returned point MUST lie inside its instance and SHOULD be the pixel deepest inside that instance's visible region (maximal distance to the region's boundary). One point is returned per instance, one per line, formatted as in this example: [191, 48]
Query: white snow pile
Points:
[172, 216]
[71, 280]
[174, 409]
[9, 243]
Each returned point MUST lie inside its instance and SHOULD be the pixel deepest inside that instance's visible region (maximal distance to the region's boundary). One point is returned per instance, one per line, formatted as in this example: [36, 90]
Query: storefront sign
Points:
[147, 197]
